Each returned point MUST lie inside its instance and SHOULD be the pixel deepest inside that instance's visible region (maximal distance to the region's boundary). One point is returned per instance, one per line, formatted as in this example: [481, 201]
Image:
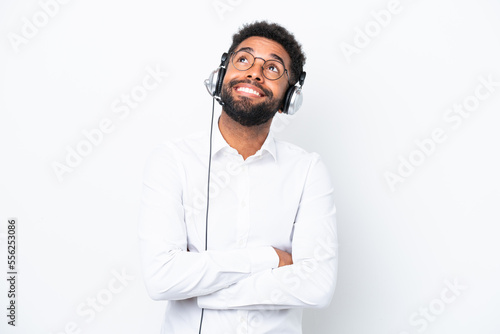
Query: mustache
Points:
[235, 82]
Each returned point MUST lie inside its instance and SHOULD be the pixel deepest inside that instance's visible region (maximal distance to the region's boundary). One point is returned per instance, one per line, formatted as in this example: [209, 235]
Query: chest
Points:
[248, 205]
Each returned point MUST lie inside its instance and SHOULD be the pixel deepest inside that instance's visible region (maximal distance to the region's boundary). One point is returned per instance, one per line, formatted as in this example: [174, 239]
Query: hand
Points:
[285, 258]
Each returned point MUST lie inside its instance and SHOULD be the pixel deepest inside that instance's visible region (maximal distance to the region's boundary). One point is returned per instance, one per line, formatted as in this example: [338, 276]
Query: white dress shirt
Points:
[280, 197]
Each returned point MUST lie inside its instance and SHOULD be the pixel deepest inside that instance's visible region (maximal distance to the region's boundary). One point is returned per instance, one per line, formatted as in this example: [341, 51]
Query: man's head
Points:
[264, 61]
[278, 34]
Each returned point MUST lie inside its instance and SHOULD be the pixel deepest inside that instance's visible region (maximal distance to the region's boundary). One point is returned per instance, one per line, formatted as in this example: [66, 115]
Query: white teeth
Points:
[247, 90]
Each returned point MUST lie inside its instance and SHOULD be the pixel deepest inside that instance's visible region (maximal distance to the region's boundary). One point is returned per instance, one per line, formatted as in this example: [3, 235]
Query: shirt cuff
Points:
[263, 258]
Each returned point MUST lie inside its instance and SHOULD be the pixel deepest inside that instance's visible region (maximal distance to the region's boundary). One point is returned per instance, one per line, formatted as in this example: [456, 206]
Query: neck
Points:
[247, 140]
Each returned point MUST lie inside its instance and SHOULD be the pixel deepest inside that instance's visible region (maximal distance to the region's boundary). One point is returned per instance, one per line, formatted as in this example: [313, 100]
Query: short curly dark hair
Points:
[278, 34]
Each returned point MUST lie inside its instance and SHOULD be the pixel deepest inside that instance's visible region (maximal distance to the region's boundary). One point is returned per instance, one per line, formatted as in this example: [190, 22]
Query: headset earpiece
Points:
[222, 74]
[216, 78]
[293, 96]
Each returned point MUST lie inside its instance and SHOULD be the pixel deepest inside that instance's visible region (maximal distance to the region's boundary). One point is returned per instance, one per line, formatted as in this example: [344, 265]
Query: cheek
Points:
[226, 80]
[230, 75]
[281, 91]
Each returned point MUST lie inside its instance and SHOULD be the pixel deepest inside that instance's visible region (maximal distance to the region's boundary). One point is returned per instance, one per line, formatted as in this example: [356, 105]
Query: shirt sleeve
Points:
[310, 281]
[170, 271]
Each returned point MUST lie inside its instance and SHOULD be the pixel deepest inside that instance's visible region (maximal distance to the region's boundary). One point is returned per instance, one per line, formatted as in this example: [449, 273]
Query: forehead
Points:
[265, 48]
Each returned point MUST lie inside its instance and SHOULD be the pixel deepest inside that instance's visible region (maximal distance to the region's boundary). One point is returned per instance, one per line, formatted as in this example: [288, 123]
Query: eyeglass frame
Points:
[262, 67]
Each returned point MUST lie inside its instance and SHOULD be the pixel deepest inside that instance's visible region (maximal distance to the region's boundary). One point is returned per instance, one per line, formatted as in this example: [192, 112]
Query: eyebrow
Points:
[273, 55]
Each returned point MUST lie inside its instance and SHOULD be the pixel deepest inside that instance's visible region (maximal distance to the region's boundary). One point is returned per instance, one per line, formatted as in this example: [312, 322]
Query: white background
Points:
[397, 248]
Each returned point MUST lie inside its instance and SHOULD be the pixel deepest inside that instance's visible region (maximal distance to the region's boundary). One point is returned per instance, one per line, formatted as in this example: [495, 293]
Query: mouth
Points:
[249, 90]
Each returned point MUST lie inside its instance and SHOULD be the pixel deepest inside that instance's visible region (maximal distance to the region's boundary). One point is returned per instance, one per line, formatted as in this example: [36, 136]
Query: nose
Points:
[255, 72]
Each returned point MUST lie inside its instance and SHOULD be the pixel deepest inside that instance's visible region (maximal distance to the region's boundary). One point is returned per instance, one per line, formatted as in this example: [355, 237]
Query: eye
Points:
[242, 59]
[272, 68]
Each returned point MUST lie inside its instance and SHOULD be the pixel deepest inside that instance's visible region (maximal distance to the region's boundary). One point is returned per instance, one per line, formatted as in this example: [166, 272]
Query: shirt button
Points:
[243, 204]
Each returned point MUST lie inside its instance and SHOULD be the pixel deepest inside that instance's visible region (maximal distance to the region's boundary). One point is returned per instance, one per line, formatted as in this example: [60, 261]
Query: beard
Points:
[243, 110]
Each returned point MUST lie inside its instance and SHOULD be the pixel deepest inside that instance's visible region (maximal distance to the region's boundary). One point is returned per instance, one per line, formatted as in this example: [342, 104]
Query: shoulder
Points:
[298, 161]
[291, 153]
[305, 166]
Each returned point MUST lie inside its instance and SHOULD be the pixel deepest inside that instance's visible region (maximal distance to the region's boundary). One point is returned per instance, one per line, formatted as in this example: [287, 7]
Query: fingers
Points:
[285, 257]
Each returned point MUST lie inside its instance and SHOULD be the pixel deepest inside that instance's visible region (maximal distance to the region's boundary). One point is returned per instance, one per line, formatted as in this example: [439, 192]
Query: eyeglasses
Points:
[271, 69]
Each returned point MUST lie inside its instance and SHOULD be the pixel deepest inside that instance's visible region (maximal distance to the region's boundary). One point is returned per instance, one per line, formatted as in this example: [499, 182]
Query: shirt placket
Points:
[243, 221]
[242, 322]
[242, 230]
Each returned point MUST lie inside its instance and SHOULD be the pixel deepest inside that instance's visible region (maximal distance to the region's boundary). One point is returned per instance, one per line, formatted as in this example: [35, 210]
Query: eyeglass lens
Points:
[272, 69]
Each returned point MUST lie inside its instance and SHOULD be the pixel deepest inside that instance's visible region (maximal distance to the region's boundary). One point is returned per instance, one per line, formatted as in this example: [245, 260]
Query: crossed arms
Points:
[251, 278]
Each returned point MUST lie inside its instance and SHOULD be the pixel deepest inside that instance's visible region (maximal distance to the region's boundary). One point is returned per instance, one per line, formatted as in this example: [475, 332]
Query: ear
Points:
[282, 106]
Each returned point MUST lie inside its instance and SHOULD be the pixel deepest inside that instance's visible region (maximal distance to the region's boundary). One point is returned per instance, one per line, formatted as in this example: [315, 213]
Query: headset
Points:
[293, 96]
[292, 103]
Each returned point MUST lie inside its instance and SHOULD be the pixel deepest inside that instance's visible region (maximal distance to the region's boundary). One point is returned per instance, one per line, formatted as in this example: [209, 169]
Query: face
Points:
[249, 97]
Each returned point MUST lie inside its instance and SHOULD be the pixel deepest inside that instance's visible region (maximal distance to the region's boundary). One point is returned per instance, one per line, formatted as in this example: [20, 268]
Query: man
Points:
[271, 233]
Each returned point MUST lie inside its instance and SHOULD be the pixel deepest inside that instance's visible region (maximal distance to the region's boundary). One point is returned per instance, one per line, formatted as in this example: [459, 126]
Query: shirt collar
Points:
[219, 144]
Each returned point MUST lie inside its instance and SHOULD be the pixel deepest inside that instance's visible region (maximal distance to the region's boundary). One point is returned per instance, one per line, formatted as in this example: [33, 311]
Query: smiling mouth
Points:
[248, 90]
